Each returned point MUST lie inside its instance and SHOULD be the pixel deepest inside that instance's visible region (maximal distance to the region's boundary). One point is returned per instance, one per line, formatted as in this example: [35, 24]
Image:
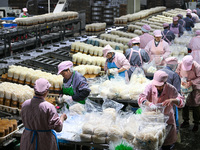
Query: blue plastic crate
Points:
[8, 18]
[9, 25]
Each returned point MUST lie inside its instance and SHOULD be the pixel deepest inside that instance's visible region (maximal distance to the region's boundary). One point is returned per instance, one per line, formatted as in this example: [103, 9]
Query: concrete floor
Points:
[188, 139]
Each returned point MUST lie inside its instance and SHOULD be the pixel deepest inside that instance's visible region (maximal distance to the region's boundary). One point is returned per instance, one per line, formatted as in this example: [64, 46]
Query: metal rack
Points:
[48, 61]
[40, 33]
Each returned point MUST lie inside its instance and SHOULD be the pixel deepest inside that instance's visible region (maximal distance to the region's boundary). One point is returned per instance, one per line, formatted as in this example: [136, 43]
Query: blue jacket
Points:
[188, 24]
[173, 78]
[135, 58]
[169, 35]
[181, 22]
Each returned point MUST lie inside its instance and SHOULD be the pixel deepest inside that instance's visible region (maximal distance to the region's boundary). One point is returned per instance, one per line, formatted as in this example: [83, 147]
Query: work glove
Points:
[113, 71]
[60, 100]
[152, 106]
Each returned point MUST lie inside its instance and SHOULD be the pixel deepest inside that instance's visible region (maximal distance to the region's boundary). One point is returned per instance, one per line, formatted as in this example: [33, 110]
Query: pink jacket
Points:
[194, 76]
[196, 17]
[165, 48]
[194, 45]
[169, 92]
[120, 61]
[145, 39]
[38, 114]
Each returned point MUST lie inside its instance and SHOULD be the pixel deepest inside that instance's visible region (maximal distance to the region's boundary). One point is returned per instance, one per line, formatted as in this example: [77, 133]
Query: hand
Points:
[113, 71]
[183, 83]
[167, 102]
[189, 84]
[152, 106]
[63, 117]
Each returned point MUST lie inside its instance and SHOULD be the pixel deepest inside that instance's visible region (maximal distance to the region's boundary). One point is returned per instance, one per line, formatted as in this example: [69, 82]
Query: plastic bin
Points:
[8, 18]
[9, 25]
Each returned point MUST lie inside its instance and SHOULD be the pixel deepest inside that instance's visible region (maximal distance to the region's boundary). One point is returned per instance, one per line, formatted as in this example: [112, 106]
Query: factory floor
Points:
[188, 140]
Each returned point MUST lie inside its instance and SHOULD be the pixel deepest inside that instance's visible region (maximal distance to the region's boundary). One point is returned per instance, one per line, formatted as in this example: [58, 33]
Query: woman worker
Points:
[190, 70]
[145, 38]
[194, 45]
[40, 119]
[116, 63]
[158, 49]
[189, 23]
[136, 56]
[176, 28]
[167, 35]
[24, 14]
[75, 85]
[159, 91]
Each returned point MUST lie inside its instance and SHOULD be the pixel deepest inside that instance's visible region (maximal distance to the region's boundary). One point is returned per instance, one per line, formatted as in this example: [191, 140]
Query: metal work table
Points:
[99, 100]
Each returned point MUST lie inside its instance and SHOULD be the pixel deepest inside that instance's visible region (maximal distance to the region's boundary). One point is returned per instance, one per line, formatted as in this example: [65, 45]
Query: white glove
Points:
[60, 100]
[152, 106]
[113, 71]
[67, 99]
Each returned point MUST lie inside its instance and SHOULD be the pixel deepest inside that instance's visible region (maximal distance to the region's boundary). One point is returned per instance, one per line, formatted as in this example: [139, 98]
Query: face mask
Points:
[111, 59]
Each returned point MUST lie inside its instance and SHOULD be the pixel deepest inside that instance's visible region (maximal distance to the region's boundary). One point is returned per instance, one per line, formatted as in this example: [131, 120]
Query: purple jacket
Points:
[145, 39]
[38, 114]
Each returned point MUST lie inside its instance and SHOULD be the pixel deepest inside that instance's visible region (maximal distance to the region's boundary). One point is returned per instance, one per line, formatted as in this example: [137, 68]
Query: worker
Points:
[116, 63]
[188, 22]
[24, 14]
[190, 70]
[176, 28]
[194, 45]
[145, 38]
[161, 92]
[158, 49]
[40, 119]
[189, 11]
[136, 56]
[75, 85]
[195, 16]
[180, 20]
[167, 35]
[173, 77]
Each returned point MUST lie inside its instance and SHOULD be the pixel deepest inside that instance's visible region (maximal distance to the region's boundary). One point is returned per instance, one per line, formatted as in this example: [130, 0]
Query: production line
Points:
[97, 104]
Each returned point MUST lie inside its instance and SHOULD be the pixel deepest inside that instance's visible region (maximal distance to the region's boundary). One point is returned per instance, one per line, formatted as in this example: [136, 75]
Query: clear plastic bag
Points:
[138, 76]
[185, 90]
[72, 128]
[149, 68]
[75, 108]
[156, 116]
[150, 136]
[91, 106]
[111, 104]
[146, 138]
